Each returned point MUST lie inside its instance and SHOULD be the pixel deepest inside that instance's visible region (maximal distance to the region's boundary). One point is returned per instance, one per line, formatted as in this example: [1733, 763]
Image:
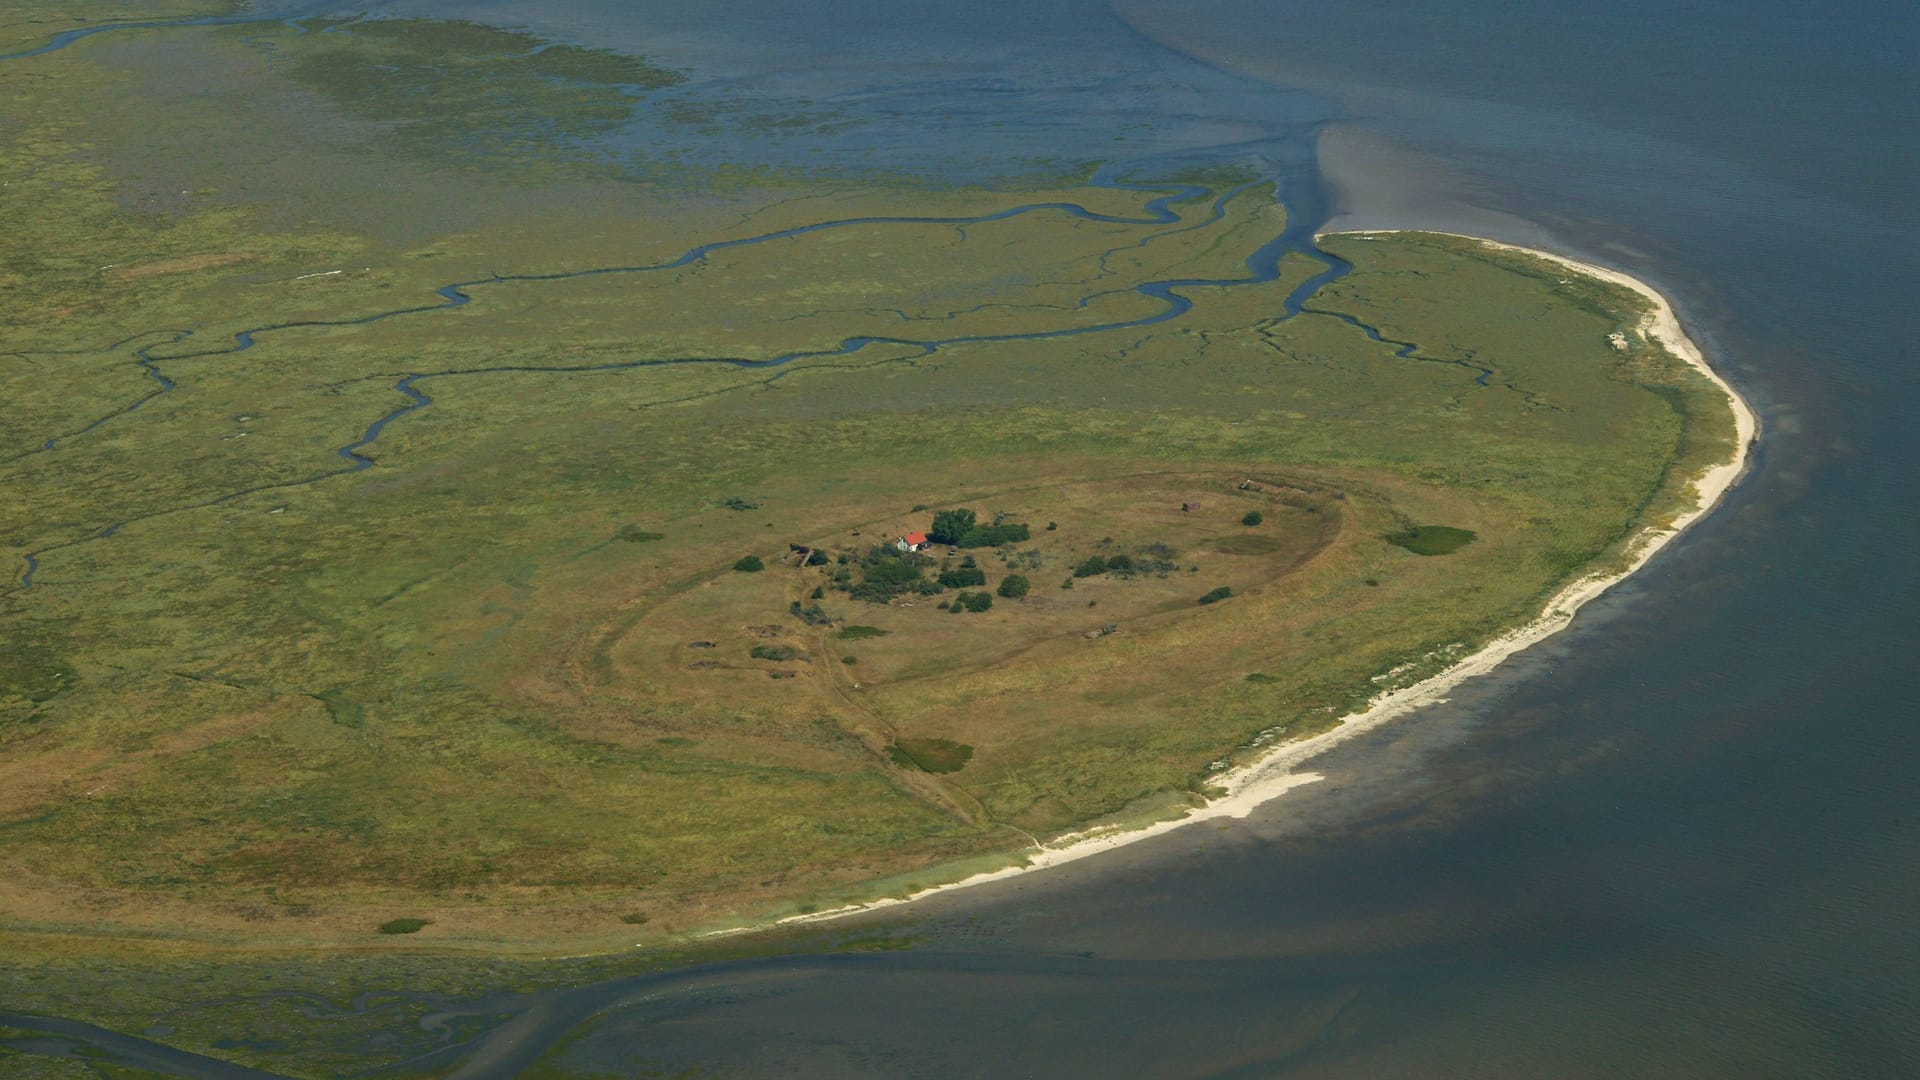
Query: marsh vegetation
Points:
[252, 683]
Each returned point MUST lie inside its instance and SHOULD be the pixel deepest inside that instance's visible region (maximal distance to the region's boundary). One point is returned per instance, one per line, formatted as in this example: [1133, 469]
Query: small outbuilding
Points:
[911, 542]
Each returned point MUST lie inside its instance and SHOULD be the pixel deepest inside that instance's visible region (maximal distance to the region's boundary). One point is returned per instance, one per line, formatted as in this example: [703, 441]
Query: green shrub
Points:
[404, 926]
[994, 535]
[1121, 564]
[749, 564]
[950, 525]
[812, 614]
[1013, 586]
[774, 652]
[1218, 594]
[979, 601]
[857, 632]
[963, 577]
[885, 574]
[634, 534]
[634, 918]
[1252, 518]
[1093, 567]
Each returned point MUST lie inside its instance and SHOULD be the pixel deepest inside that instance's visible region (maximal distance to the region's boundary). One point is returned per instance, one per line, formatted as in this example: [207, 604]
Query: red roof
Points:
[916, 539]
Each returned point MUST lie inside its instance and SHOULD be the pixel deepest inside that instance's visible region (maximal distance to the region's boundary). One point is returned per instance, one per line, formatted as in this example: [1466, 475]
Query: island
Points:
[423, 531]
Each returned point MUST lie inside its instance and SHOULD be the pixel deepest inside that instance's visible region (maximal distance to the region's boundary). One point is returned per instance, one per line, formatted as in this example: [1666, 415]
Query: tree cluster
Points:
[961, 528]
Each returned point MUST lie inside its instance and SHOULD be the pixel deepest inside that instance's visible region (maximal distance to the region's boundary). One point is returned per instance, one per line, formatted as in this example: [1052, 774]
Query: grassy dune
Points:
[505, 680]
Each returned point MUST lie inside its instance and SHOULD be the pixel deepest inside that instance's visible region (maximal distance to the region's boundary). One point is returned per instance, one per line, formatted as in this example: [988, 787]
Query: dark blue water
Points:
[1682, 839]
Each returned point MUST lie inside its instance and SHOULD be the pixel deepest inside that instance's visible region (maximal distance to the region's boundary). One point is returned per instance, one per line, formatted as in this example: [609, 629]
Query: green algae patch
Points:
[1432, 539]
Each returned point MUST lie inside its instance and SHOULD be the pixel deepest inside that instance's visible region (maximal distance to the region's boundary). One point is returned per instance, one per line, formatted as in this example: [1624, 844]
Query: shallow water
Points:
[1680, 839]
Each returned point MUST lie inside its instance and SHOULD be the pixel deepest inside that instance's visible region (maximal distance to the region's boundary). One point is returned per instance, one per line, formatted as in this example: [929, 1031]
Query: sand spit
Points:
[1274, 774]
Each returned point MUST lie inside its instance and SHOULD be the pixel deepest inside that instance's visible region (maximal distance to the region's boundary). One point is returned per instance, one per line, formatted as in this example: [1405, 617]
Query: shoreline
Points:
[1273, 774]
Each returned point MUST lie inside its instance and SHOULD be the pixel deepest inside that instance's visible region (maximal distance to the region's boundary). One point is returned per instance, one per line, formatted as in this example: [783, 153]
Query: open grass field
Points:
[421, 616]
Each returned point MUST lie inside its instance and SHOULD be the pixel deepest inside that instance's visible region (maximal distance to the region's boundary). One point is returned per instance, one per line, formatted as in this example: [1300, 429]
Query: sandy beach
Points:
[1278, 771]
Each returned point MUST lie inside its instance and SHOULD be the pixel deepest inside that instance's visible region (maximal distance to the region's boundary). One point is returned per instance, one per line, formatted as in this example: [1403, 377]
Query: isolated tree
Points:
[1013, 586]
[1253, 518]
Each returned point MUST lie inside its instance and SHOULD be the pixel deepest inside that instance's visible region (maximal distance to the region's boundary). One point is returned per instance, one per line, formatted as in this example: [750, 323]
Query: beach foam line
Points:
[1274, 773]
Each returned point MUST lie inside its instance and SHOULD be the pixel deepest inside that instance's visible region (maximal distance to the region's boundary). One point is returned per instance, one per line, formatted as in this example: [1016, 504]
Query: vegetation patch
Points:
[1432, 539]
[31, 672]
[858, 632]
[1214, 596]
[960, 528]
[404, 926]
[634, 534]
[932, 755]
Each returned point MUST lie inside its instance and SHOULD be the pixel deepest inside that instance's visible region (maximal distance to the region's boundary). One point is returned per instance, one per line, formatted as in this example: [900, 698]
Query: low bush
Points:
[1093, 567]
[1013, 586]
[857, 632]
[634, 534]
[1218, 594]
[812, 614]
[963, 577]
[404, 926]
[994, 535]
[749, 564]
[774, 652]
[1252, 518]
[979, 601]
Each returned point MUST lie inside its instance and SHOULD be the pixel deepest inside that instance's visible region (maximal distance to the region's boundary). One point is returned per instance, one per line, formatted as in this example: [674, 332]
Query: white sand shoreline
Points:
[1273, 774]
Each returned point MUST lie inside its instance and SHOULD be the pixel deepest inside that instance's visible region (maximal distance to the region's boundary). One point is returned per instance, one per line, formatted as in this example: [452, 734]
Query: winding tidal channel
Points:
[1172, 204]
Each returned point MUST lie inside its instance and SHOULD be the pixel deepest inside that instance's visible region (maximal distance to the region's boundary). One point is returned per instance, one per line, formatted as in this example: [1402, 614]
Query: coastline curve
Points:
[1277, 771]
